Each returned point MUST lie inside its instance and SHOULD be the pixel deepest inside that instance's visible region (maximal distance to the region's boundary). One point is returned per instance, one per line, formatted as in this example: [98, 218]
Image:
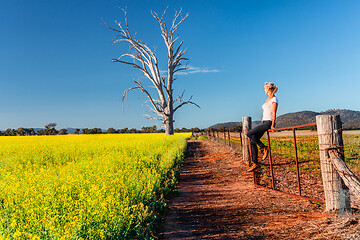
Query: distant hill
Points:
[228, 124]
[352, 124]
[71, 130]
[297, 118]
[350, 119]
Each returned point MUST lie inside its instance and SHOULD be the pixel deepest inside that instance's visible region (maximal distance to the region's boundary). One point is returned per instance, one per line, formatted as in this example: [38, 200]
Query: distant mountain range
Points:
[349, 118]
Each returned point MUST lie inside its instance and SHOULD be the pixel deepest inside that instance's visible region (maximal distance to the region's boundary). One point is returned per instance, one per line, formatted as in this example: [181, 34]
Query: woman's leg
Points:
[254, 151]
[255, 134]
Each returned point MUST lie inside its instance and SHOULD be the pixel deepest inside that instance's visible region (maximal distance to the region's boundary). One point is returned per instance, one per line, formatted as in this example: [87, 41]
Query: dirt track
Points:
[217, 200]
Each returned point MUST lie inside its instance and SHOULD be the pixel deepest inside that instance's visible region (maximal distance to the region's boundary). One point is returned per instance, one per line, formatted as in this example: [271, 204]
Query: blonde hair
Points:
[273, 88]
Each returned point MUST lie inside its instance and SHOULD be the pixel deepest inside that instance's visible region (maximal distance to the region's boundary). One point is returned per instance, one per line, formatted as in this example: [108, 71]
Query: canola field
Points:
[86, 186]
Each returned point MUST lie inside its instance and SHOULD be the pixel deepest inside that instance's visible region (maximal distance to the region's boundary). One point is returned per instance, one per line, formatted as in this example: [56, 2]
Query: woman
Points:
[268, 122]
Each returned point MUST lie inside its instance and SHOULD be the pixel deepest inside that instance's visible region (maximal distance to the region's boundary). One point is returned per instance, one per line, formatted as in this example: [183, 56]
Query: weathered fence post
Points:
[246, 126]
[228, 135]
[240, 135]
[330, 136]
[228, 131]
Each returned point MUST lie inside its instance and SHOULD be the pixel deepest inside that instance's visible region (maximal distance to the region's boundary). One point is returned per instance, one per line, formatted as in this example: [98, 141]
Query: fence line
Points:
[283, 162]
[283, 158]
[298, 163]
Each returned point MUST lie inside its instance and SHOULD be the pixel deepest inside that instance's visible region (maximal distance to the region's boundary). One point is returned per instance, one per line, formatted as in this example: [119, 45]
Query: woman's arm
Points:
[274, 109]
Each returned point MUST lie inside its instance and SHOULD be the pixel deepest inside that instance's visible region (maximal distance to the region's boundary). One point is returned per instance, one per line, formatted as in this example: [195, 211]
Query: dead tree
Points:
[163, 104]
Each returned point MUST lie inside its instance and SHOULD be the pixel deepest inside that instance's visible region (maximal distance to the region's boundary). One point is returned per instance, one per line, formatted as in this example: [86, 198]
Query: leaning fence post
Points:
[330, 136]
[246, 126]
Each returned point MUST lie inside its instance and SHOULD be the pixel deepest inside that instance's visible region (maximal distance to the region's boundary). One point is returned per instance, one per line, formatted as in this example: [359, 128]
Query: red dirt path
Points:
[217, 200]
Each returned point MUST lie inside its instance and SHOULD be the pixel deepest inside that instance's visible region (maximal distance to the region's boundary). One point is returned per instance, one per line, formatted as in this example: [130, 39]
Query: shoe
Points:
[265, 152]
[253, 167]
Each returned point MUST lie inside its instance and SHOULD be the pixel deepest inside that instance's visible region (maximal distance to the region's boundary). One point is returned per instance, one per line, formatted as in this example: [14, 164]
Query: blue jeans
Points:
[255, 134]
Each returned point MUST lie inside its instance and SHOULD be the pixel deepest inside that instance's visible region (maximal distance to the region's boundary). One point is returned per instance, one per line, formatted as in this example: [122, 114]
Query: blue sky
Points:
[55, 60]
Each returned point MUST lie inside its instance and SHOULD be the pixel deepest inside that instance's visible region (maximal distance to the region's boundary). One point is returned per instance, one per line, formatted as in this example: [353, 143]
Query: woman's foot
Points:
[265, 152]
[253, 167]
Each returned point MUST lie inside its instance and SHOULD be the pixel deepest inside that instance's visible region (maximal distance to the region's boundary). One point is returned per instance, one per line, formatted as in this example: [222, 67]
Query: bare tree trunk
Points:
[169, 125]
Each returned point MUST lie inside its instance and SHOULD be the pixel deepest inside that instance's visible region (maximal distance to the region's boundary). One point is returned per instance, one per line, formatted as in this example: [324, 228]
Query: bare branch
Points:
[139, 83]
[162, 16]
[126, 93]
[178, 49]
[154, 111]
[174, 24]
[155, 118]
[180, 97]
[186, 102]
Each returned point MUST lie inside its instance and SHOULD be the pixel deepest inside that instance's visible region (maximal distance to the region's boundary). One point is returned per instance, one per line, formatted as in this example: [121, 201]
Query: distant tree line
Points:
[18, 132]
[50, 130]
[232, 128]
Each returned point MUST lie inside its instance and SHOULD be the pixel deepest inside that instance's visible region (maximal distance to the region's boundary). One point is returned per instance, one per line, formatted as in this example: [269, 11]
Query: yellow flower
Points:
[58, 183]
[16, 234]
[13, 223]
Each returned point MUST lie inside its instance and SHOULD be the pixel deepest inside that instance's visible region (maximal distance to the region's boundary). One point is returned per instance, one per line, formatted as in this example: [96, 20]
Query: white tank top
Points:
[267, 109]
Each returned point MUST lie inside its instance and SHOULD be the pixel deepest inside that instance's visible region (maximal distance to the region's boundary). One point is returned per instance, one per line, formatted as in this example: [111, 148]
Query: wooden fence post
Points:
[228, 131]
[330, 136]
[225, 137]
[246, 126]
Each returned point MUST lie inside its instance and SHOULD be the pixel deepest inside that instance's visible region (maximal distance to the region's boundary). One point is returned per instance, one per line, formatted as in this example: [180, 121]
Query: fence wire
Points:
[352, 160]
[302, 178]
[296, 165]
[295, 160]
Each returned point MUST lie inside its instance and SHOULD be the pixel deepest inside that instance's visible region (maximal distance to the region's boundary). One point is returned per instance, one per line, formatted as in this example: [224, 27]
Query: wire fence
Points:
[293, 165]
[352, 160]
[231, 139]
